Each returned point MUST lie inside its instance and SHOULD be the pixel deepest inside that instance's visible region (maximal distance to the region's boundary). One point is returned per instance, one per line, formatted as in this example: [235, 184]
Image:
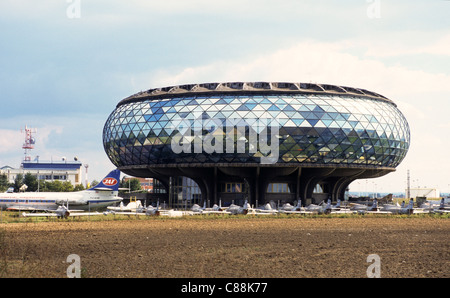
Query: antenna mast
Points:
[29, 142]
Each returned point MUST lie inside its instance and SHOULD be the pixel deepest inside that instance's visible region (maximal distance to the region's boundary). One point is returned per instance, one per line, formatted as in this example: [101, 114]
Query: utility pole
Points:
[408, 189]
[87, 183]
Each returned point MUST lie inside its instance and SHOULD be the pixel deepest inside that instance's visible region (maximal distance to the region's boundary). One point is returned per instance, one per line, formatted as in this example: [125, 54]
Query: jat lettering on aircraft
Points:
[109, 181]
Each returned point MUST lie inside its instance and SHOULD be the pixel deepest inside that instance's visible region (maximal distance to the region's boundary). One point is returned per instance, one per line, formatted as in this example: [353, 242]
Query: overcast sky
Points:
[65, 64]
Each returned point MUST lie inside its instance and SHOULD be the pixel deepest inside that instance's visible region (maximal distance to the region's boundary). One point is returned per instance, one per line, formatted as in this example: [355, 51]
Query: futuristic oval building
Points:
[259, 141]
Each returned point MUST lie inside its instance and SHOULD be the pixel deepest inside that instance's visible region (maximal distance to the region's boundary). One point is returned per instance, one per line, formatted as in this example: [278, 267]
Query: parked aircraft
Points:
[236, 209]
[156, 211]
[152, 211]
[297, 209]
[363, 209]
[288, 207]
[321, 208]
[60, 212]
[399, 209]
[443, 208]
[132, 206]
[100, 196]
[149, 211]
[263, 210]
[338, 209]
[215, 208]
[196, 209]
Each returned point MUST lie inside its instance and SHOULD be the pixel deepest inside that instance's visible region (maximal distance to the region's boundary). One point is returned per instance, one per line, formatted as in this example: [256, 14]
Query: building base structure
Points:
[302, 182]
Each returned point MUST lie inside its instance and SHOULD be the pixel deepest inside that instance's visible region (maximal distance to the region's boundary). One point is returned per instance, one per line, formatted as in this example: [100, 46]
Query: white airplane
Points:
[338, 209]
[298, 209]
[337, 206]
[132, 206]
[100, 196]
[149, 211]
[236, 209]
[442, 208]
[400, 209]
[152, 211]
[60, 212]
[266, 209]
[216, 209]
[196, 209]
[321, 208]
[428, 207]
[287, 207]
[363, 209]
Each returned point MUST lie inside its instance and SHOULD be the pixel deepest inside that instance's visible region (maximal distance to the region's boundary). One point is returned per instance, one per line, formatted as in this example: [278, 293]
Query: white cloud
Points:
[407, 45]
[10, 140]
[310, 61]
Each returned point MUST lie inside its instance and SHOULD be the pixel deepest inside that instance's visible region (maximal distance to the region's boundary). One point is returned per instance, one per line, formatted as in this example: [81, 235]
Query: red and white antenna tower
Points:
[29, 141]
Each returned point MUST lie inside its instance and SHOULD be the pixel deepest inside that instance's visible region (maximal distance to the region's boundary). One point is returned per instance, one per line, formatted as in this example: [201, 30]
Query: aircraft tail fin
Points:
[411, 204]
[374, 205]
[110, 182]
[246, 205]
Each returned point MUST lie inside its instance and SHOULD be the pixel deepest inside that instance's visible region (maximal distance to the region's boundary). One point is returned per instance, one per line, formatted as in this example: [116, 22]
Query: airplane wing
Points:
[343, 211]
[124, 213]
[372, 212]
[214, 212]
[24, 208]
[54, 214]
[45, 214]
[441, 211]
[262, 212]
[296, 212]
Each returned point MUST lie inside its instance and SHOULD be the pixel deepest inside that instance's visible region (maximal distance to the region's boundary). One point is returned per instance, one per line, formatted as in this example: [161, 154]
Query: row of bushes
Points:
[33, 184]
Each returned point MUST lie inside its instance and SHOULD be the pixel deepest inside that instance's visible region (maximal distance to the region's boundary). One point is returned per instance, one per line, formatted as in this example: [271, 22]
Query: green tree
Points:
[31, 181]
[67, 186]
[78, 187]
[56, 186]
[133, 184]
[18, 182]
[3, 183]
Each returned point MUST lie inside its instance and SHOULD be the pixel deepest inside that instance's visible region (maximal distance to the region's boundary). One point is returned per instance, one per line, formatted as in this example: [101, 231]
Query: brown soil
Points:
[228, 247]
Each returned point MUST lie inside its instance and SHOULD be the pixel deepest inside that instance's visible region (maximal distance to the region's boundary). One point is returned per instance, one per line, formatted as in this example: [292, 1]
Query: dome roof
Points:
[250, 88]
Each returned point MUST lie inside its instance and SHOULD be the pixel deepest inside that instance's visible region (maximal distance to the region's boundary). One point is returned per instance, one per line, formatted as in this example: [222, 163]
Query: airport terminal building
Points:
[258, 141]
[63, 170]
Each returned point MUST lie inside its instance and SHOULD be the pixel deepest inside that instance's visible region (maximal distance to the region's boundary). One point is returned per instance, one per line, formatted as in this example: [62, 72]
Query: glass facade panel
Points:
[314, 129]
[278, 188]
[184, 192]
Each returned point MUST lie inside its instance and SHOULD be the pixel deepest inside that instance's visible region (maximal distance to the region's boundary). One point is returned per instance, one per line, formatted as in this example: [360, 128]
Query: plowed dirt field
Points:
[228, 247]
